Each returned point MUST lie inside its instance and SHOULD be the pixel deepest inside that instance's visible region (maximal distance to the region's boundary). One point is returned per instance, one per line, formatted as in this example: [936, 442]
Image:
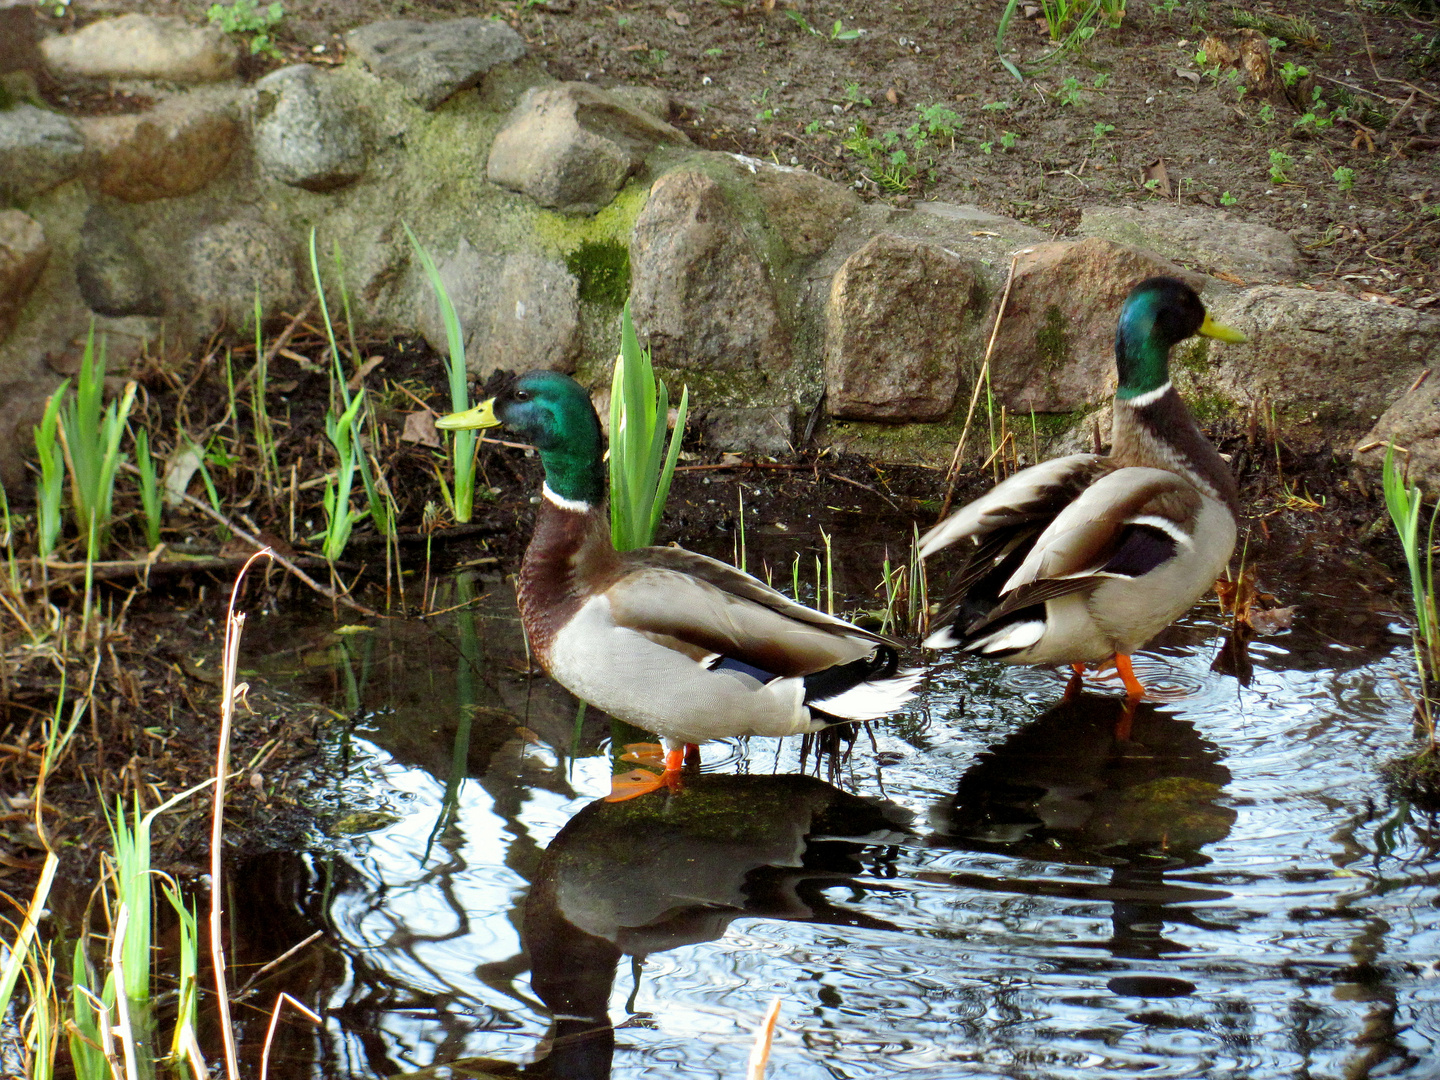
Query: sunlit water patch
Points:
[1008, 881]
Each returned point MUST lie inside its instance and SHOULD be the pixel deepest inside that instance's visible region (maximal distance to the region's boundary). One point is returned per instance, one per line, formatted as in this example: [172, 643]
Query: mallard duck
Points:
[1083, 559]
[675, 643]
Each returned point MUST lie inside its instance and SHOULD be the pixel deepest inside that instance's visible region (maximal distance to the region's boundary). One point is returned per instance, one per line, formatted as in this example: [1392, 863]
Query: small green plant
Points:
[656, 57]
[1290, 74]
[1266, 115]
[1069, 93]
[340, 517]
[714, 52]
[248, 17]
[1280, 165]
[1101, 80]
[149, 488]
[995, 106]
[939, 121]
[854, 96]
[640, 465]
[1226, 199]
[1098, 134]
[1404, 504]
[837, 30]
[1007, 139]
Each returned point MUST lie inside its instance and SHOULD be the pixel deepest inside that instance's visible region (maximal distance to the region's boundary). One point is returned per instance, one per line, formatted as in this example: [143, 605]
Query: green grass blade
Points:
[463, 443]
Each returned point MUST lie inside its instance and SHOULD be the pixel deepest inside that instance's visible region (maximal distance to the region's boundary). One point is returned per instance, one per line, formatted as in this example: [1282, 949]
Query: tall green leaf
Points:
[641, 467]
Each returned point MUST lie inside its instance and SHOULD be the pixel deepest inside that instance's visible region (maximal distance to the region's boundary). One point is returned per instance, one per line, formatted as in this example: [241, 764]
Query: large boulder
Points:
[160, 47]
[229, 264]
[305, 133]
[572, 146]
[110, 270]
[700, 290]
[1321, 356]
[1055, 347]
[24, 251]
[39, 150]
[433, 61]
[1211, 240]
[518, 312]
[806, 210]
[176, 148]
[1412, 424]
[895, 330]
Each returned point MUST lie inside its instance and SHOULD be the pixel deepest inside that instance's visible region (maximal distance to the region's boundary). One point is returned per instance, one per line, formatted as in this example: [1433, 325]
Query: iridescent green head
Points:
[553, 413]
[1158, 314]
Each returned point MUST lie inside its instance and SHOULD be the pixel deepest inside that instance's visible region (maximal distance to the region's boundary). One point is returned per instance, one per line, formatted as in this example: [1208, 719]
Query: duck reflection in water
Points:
[667, 870]
[1066, 789]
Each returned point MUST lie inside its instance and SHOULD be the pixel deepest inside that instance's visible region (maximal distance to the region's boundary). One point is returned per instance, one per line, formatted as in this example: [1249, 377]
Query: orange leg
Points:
[1076, 683]
[1133, 688]
[642, 781]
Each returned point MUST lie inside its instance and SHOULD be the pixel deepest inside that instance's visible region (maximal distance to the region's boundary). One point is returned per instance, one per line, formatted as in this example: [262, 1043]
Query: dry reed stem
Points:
[280, 1001]
[234, 624]
[952, 475]
[760, 1052]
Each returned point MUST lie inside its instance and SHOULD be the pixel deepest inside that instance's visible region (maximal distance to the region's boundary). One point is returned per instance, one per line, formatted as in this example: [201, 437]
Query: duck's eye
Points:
[522, 395]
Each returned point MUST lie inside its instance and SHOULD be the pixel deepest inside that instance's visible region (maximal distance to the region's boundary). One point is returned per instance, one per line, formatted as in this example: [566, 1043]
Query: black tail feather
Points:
[831, 682]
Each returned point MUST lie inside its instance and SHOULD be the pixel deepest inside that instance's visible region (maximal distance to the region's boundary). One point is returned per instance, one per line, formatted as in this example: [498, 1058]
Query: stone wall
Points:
[546, 204]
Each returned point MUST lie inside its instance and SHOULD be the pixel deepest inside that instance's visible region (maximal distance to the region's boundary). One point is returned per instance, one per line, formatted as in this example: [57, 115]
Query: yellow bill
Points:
[1212, 329]
[481, 416]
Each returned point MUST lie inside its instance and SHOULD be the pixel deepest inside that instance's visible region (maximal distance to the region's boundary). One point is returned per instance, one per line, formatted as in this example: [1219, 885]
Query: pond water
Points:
[996, 886]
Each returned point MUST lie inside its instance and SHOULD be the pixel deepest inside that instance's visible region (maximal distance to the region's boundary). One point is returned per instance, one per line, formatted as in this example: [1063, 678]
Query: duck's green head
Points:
[1159, 313]
[553, 413]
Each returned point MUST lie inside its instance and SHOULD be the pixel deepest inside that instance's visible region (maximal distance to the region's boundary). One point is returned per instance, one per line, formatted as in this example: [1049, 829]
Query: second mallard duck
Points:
[1083, 559]
[673, 642]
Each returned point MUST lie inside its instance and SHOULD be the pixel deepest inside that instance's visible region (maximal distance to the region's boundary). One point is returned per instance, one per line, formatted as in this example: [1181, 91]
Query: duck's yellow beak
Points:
[1212, 329]
[481, 416]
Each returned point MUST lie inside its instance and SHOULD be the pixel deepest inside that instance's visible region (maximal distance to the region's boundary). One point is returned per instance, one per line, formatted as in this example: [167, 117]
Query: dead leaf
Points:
[1272, 620]
[284, 386]
[358, 379]
[420, 428]
[1231, 278]
[1156, 171]
[642, 47]
[730, 460]
[892, 96]
[679, 18]
[1187, 73]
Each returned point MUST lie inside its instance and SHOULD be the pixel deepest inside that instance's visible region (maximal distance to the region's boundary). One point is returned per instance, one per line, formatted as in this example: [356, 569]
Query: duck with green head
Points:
[1083, 559]
[678, 644]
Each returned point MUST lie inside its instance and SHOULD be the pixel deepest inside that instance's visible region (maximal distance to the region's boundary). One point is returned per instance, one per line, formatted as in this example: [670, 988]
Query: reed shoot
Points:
[462, 443]
[51, 486]
[149, 489]
[640, 466]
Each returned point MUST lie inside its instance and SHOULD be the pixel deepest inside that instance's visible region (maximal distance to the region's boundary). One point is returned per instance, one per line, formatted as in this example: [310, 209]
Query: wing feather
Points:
[1088, 534]
[662, 603]
[1030, 495]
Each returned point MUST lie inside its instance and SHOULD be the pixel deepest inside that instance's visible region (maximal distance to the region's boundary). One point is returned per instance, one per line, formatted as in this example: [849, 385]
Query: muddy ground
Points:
[1082, 131]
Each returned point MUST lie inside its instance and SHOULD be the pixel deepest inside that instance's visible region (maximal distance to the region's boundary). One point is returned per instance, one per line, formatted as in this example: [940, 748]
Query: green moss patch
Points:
[602, 268]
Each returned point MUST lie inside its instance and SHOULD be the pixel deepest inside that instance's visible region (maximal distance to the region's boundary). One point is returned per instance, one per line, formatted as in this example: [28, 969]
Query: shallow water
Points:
[997, 887]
